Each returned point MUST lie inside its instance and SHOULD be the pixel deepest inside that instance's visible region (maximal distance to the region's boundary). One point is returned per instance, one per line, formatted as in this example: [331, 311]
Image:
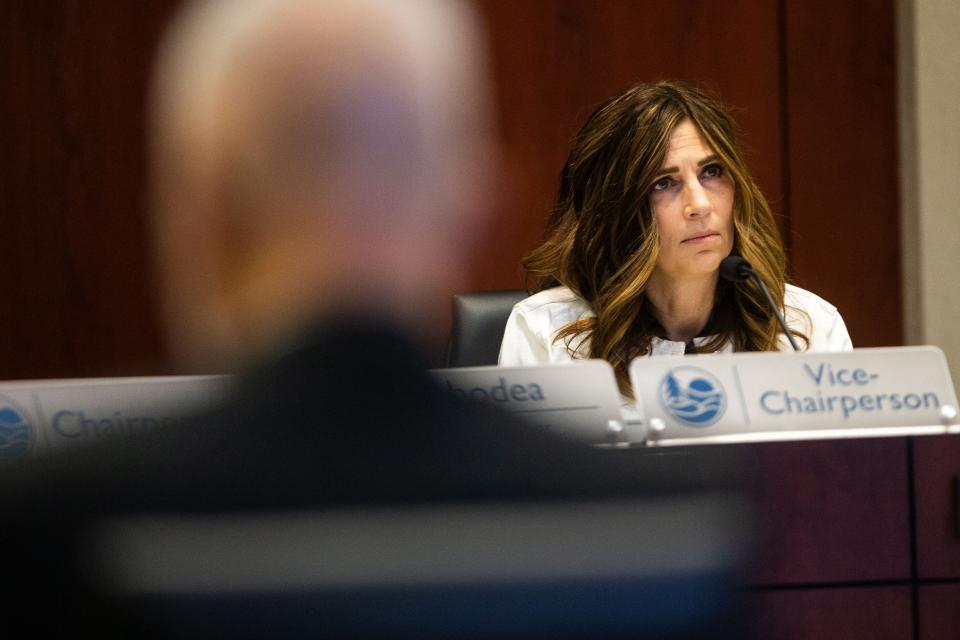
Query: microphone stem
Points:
[775, 307]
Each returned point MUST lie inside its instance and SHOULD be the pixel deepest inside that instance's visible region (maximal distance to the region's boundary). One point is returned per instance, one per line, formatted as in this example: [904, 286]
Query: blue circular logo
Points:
[16, 434]
[692, 396]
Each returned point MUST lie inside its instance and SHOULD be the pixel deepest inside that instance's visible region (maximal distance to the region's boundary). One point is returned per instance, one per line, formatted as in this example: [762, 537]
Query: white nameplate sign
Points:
[40, 414]
[578, 399]
[748, 397]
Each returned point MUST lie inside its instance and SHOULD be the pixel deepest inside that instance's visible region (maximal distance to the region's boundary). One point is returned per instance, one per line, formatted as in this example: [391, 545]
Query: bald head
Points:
[313, 158]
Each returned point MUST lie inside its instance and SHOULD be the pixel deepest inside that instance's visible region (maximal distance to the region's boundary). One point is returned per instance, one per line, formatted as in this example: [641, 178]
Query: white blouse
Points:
[534, 321]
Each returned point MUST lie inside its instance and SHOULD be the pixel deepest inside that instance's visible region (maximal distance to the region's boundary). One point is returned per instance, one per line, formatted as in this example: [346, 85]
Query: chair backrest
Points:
[478, 322]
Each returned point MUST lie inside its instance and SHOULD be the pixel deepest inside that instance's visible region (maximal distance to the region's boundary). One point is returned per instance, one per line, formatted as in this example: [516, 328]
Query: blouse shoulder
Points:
[528, 338]
[557, 297]
[552, 309]
[817, 319]
[807, 301]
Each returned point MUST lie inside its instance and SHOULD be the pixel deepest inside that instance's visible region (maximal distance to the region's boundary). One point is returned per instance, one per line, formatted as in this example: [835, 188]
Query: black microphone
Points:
[736, 269]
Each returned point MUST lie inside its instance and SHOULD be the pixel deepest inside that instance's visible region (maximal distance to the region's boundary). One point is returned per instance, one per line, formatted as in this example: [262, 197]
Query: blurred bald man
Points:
[315, 159]
[319, 170]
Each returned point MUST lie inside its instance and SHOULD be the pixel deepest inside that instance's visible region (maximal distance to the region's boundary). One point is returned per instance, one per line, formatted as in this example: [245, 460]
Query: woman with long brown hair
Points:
[654, 194]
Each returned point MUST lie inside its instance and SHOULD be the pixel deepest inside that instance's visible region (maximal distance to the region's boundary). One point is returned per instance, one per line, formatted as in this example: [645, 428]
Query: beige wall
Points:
[929, 87]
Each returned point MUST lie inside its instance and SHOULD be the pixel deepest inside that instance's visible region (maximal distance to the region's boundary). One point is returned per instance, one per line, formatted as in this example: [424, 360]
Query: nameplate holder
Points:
[578, 400]
[757, 397]
[39, 415]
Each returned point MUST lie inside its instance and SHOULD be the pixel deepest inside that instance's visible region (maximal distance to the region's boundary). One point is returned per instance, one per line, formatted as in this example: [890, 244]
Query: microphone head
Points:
[735, 269]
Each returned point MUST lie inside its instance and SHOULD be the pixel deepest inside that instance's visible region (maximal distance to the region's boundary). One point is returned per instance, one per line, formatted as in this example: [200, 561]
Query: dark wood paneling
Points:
[878, 613]
[554, 61]
[939, 612]
[76, 287]
[936, 464]
[830, 511]
[842, 154]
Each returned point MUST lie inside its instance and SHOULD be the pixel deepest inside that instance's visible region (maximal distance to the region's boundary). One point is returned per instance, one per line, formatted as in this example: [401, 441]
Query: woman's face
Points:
[692, 204]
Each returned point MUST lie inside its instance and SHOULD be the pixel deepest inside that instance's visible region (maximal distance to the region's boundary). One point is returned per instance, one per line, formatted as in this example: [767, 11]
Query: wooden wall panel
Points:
[939, 612]
[936, 462]
[818, 103]
[830, 511]
[878, 613]
[842, 159]
[76, 286]
[555, 61]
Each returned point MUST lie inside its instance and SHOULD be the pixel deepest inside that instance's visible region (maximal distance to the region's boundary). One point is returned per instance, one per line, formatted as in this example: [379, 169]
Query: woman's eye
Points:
[662, 184]
[712, 171]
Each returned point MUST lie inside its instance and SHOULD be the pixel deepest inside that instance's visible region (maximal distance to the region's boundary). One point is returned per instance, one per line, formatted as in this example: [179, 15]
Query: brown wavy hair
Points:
[602, 242]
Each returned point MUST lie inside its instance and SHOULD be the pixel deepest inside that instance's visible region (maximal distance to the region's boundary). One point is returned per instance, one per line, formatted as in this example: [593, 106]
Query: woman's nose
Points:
[695, 203]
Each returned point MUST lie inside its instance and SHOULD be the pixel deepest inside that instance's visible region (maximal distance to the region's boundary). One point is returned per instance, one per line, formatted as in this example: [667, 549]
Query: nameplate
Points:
[578, 399]
[792, 396]
[38, 415]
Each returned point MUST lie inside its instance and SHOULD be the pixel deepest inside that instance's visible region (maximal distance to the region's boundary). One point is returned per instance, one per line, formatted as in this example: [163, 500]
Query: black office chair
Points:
[477, 329]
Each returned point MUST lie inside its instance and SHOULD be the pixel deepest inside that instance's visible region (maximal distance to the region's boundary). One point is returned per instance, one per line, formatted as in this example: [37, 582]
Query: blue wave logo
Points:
[692, 396]
[16, 435]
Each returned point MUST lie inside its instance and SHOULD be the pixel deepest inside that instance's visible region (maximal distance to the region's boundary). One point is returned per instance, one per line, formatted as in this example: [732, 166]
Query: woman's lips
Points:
[701, 237]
